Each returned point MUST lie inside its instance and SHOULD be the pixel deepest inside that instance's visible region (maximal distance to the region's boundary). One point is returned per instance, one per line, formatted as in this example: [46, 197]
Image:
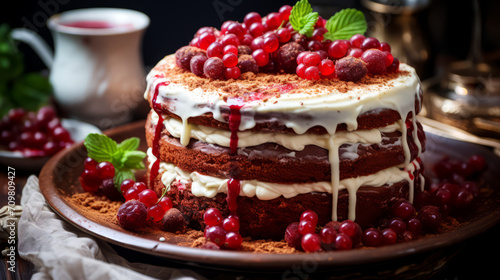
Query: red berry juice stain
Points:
[157, 136]
[233, 185]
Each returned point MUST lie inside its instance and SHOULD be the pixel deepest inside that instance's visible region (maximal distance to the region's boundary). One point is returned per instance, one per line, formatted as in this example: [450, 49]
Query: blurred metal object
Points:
[468, 95]
[452, 132]
[400, 24]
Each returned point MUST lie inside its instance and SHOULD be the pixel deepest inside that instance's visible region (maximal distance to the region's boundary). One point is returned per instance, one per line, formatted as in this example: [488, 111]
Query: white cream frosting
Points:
[294, 142]
[209, 186]
[306, 109]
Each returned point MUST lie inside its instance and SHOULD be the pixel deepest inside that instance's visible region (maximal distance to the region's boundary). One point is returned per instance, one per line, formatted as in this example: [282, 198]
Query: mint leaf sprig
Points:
[302, 18]
[124, 156]
[344, 24]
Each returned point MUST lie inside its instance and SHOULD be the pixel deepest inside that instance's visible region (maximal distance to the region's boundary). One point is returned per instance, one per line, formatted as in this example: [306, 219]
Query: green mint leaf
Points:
[122, 175]
[302, 18]
[133, 159]
[101, 148]
[344, 24]
[130, 144]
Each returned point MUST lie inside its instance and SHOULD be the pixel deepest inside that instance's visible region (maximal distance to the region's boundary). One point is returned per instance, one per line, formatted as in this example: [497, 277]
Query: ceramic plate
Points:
[59, 176]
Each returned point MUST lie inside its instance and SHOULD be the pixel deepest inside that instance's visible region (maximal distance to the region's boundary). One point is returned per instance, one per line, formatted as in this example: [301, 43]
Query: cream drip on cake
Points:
[326, 108]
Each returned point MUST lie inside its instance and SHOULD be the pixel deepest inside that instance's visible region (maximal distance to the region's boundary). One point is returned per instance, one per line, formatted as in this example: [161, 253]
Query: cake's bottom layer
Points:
[269, 218]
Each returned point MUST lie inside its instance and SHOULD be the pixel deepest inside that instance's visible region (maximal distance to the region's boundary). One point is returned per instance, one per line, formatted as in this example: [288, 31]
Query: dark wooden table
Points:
[477, 258]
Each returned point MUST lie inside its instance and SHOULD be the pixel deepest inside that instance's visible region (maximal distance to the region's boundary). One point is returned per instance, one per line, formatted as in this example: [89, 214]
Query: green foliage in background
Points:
[17, 88]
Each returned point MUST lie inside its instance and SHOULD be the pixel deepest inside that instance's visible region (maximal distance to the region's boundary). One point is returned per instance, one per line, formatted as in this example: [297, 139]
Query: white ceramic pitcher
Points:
[97, 70]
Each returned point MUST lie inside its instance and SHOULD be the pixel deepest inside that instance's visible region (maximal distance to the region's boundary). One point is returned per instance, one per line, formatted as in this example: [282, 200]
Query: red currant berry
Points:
[140, 186]
[155, 213]
[165, 203]
[230, 39]
[215, 234]
[61, 134]
[478, 163]
[312, 73]
[231, 49]
[86, 187]
[215, 50]
[355, 52]
[403, 209]
[284, 35]
[257, 43]
[414, 225]
[389, 236]
[224, 26]
[306, 227]
[205, 40]
[271, 44]
[311, 59]
[230, 60]
[311, 242]
[463, 199]
[45, 115]
[51, 147]
[301, 68]
[126, 185]
[106, 170]
[370, 43]
[285, 12]
[261, 57]
[397, 225]
[385, 47]
[309, 215]
[231, 224]
[372, 237]
[236, 29]
[343, 242]
[233, 240]
[328, 235]
[212, 217]
[252, 18]
[273, 21]
[131, 193]
[300, 57]
[356, 40]
[326, 67]
[246, 40]
[389, 59]
[394, 66]
[256, 29]
[16, 114]
[318, 33]
[337, 49]
[148, 197]
[232, 72]
[90, 164]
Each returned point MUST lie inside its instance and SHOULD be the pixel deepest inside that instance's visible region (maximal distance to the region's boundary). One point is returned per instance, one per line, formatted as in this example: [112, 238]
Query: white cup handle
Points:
[36, 42]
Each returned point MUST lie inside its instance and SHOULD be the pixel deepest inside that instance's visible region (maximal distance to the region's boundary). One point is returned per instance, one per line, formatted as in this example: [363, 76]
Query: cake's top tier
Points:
[188, 95]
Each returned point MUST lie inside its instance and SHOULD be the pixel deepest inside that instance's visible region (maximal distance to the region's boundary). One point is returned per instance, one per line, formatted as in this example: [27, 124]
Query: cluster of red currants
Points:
[156, 207]
[220, 232]
[270, 44]
[456, 186]
[34, 133]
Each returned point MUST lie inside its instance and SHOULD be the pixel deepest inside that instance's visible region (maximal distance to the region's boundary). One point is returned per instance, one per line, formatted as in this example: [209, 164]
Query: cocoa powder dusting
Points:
[266, 85]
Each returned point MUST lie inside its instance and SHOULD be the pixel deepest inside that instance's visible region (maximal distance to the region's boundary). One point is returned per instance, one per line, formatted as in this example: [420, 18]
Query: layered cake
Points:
[267, 141]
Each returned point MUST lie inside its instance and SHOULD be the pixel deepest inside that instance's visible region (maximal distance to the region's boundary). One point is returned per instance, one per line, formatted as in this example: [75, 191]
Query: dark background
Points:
[446, 24]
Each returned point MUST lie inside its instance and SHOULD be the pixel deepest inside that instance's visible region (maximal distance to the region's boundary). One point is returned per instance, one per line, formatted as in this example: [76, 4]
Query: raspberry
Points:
[350, 69]
[287, 56]
[132, 215]
[300, 39]
[243, 49]
[183, 56]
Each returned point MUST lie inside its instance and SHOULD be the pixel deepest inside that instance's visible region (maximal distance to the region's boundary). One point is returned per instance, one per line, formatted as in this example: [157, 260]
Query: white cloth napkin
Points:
[60, 251]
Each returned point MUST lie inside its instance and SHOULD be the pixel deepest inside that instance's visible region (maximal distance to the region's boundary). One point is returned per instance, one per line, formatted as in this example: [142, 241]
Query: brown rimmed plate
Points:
[59, 176]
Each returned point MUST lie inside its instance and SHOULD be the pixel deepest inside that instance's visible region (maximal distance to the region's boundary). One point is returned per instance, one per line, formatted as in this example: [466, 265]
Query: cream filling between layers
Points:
[293, 142]
[209, 186]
